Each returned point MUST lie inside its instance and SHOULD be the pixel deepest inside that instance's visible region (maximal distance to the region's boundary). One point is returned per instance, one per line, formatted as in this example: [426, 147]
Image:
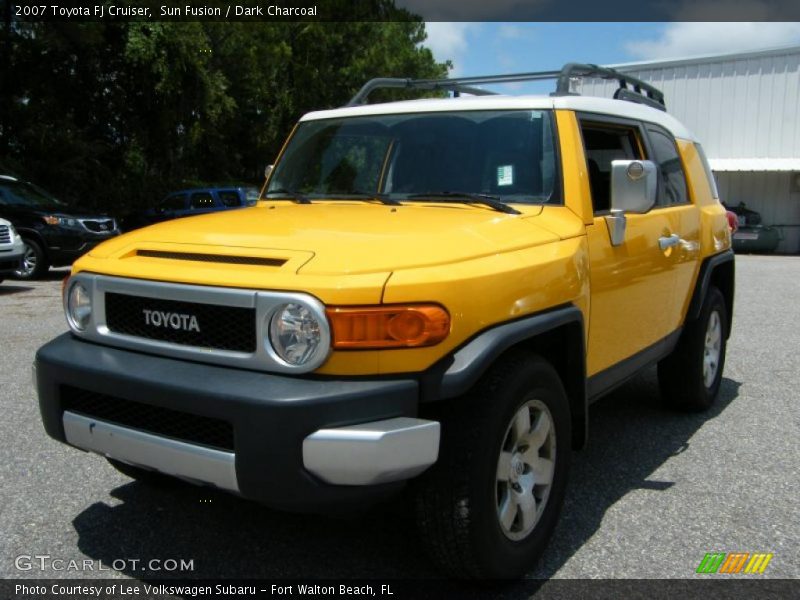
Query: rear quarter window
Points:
[712, 180]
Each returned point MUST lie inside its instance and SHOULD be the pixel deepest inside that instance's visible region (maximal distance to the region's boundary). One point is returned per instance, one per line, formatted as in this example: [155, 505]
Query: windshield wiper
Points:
[357, 194]
[296, 196]
[485, 199]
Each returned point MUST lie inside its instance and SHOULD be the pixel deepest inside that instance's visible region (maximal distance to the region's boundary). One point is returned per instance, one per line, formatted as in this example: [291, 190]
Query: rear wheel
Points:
[34, 261]
[489, 505]
[691, 375]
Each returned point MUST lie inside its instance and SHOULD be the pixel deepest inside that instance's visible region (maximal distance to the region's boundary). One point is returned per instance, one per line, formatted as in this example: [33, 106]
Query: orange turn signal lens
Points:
[397, 326]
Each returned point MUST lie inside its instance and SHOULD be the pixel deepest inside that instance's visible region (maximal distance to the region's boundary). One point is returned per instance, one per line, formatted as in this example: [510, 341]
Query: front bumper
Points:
[10, 262]
[298, 444]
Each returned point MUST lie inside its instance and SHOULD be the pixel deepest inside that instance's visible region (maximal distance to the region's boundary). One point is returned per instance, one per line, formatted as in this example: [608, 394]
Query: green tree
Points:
[115, 114]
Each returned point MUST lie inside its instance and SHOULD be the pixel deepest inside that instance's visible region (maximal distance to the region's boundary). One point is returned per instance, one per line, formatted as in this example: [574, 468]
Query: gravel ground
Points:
[653, 492]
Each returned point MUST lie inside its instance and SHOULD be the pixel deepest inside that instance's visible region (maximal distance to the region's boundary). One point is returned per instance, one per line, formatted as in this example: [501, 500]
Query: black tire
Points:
[457, 500]
[681, 375]
[35, 253]
[151, 478]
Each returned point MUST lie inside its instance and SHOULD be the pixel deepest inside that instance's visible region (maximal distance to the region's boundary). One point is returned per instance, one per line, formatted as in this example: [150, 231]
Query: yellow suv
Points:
[428, 294]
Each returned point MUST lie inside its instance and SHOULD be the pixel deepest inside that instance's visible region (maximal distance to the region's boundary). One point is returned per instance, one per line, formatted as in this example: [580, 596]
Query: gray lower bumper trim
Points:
[187, 461]
[372, 453]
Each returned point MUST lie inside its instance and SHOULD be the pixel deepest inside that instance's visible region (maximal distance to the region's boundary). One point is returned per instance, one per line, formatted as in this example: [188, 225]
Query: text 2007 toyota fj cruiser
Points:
[429, 293]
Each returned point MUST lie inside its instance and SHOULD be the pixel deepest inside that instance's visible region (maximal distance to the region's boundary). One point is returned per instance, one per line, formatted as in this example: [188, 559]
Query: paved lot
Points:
[652, 493]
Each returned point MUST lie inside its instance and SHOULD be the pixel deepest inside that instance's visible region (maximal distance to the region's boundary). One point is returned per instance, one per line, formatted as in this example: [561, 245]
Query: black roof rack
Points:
[639, 91]
[452, 85]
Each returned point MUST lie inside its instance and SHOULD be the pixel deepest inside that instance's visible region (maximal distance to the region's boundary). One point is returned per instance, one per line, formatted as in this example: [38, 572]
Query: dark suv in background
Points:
[54, 233]
[195, 201]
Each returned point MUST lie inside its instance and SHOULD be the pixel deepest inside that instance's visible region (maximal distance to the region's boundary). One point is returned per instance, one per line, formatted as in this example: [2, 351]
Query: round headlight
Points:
[295, 334]
[79, 306]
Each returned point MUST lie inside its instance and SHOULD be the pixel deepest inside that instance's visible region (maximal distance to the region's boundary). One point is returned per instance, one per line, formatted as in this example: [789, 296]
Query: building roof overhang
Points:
[754, 164]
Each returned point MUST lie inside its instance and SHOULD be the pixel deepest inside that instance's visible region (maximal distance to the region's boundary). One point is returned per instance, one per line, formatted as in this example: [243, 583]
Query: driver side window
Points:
[604, 142]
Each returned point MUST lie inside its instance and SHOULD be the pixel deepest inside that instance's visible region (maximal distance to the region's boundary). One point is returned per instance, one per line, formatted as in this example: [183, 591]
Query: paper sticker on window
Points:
[505, 175]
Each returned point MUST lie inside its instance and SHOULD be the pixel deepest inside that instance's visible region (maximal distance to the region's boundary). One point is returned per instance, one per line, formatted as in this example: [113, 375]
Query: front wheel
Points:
[34, 261]
[691, 375]
[489, 505]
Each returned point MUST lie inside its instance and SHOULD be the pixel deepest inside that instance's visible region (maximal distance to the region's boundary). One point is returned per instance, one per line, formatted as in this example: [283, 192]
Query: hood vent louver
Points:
[214, 258]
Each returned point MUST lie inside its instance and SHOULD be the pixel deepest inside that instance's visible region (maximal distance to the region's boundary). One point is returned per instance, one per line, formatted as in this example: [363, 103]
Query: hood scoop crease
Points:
[214, 258]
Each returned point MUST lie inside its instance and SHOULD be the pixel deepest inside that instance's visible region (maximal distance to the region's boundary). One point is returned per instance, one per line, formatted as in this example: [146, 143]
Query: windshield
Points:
[21, 193]
[507, 154]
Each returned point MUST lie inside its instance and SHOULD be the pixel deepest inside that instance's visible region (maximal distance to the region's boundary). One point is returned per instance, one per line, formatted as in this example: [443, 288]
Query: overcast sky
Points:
[487, 48]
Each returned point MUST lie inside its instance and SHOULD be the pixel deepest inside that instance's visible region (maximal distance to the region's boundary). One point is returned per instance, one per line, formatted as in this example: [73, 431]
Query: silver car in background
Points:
[11, 249]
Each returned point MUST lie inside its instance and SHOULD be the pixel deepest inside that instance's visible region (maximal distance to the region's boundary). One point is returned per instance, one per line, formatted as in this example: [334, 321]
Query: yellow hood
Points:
[338, 238]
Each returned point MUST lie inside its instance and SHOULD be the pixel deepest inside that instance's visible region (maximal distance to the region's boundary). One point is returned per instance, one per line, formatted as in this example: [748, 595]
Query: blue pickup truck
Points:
[195, 201]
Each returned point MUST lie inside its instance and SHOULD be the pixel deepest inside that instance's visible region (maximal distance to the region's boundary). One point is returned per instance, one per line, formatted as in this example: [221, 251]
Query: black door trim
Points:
[605, 381]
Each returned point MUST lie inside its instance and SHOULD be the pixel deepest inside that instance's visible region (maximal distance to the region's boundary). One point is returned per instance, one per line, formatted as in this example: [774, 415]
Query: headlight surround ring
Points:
[298, 335]
[78, 306]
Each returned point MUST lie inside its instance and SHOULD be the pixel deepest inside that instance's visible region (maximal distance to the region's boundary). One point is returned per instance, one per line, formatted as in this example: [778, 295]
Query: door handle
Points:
[669, 241]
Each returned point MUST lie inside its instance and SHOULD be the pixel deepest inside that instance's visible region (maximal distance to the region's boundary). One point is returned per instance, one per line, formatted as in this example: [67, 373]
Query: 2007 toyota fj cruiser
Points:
[428, 290]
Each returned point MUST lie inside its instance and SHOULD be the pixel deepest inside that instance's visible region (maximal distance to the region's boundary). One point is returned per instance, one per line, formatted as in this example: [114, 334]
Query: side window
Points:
[712, 181]
[604, 142]
[176, 202]
[229, 198]
[672, 180]
[202, 200]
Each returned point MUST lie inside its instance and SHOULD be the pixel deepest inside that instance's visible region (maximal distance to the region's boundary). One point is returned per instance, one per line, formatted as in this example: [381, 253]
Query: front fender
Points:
[556, 334]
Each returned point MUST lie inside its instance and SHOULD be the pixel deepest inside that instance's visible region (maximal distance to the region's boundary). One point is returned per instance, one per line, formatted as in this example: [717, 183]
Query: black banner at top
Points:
[393, 10]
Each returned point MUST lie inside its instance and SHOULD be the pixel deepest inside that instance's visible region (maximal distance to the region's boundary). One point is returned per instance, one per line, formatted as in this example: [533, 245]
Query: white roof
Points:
[754, 164]
[606, 106]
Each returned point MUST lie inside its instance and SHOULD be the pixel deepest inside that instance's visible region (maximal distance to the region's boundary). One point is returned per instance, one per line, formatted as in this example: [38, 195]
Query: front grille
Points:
[216, 258]
[185, 323]
[99, 225]
[181, 426]
[5, 234]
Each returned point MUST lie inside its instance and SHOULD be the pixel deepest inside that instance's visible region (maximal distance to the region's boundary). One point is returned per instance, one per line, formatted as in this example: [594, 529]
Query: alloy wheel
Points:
[29, 262]
[525, 469]
[712, 348]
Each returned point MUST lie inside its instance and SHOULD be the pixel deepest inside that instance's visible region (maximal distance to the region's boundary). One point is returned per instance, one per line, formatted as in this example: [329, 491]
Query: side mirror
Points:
[268, 171]
[634, 185]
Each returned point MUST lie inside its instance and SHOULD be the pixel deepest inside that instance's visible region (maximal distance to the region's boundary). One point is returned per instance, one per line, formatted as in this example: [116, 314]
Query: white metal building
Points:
[745, 109]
